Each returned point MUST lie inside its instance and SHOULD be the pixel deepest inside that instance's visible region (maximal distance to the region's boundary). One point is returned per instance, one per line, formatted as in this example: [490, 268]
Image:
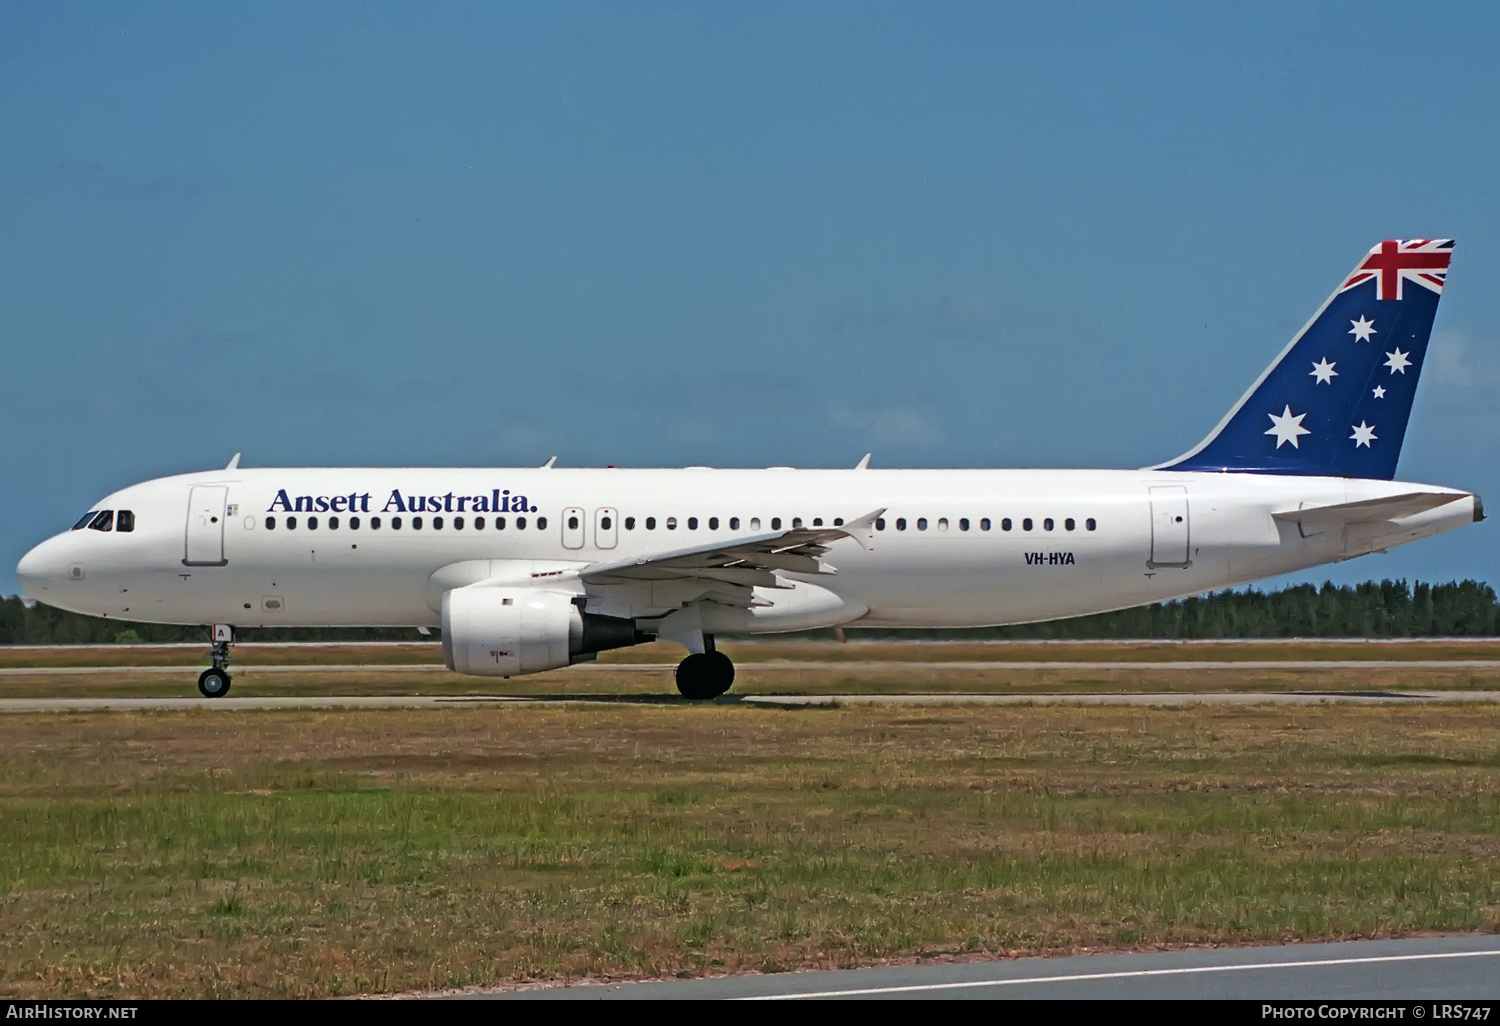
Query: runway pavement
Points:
[230, 704]
[1459, 968]
[863, 666]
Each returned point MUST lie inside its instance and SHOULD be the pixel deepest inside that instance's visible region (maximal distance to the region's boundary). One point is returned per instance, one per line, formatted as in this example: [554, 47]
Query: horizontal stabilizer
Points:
[1368, 511]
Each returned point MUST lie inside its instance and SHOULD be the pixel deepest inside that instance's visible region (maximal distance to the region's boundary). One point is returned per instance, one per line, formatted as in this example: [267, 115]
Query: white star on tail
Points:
[1398, 361]
[1362, 329]
[1324, 371]
[1287, 427]
[1363, 435]
[1378, 391]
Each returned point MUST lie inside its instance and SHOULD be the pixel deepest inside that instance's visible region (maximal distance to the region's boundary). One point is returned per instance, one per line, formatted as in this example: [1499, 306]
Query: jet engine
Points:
[504, 632]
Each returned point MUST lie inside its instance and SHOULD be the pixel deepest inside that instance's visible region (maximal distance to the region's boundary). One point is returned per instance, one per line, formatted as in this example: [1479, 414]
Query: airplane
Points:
[528, 570]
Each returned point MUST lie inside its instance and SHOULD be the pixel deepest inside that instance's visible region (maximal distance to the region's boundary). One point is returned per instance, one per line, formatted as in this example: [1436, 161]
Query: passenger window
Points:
[671, 523]
[416, 523]
[838, 521]
[395, 523]
[880, 523]
[125, 520]
[692, 523]
[1047, 524]
[103, 521]
[755, 523]
[1026, 524]
[900, 523]
[775, 523]
[817, 521]
[713, 523]
[291, 523]
[1090, 524]
[605, 523]
[984, 524]
[942, 523]
[354, 523]
[650, 523]
[1070, 523]
[921, 523]
[734, 523]
[312, 523]
[270, 523]
[541, 523]
[520, 523]
[437, 523]
[84, 521]
[479, 523]
[963, 523]
[333, 523]
[630, 523]
[458, 523]
[1005, 524]
[796, 523]
[572, 523]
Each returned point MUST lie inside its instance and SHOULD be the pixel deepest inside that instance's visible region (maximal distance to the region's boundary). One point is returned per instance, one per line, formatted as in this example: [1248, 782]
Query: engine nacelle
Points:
[505, 632]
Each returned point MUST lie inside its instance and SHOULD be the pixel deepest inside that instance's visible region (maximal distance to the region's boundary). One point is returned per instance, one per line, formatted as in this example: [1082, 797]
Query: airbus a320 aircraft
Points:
[530, 570]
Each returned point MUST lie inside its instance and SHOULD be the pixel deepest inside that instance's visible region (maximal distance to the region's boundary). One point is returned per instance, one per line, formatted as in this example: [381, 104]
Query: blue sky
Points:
[659, 234]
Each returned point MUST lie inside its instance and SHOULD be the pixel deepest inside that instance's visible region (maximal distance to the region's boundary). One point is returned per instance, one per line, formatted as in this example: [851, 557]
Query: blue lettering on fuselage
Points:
[500, 500]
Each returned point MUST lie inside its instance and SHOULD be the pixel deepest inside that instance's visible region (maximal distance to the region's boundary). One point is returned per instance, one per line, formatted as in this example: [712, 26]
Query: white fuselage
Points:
[1156, 535]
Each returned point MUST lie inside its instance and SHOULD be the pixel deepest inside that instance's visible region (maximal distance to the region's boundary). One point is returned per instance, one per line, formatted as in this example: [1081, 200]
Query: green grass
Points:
[335, 853]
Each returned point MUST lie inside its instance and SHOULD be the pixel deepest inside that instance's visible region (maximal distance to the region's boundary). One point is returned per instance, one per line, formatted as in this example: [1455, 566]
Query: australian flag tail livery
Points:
[1336, 401]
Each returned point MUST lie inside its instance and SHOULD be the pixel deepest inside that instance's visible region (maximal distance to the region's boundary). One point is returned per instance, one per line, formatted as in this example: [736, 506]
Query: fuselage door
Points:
[1169, 526]
[205, 526]
[606, 527]
[572, 528]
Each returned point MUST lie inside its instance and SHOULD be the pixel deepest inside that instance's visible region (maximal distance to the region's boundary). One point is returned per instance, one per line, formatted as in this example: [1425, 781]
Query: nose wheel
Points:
[705, 675]
[214, 682]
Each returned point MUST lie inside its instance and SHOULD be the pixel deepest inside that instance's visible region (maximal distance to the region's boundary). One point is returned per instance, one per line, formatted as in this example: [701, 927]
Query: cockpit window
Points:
[103, 521]
[84, 522]
[125, 520]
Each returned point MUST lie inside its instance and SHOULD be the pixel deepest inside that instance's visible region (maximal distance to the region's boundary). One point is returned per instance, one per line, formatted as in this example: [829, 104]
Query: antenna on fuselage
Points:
[234, 462]
[548, 464]
[864, 463]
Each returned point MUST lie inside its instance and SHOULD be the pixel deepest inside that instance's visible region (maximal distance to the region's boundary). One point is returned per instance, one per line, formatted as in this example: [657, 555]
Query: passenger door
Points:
[1169, 526]
[572, 528]
[205, 526]
[606, 527]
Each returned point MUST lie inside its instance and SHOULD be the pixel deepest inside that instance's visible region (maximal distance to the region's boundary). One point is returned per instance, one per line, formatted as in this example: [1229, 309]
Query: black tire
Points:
[705, 675]
[214, 683]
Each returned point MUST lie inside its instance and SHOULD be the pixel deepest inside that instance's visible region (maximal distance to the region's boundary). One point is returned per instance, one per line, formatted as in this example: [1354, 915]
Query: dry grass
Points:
[330, 853]
[773, 649]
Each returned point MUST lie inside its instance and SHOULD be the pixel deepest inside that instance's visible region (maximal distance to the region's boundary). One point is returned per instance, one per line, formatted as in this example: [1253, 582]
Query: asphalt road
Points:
[20, 705]
[1440, 969]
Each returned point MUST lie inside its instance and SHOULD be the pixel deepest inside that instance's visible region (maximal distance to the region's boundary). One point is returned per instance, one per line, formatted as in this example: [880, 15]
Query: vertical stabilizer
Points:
[1336, 401]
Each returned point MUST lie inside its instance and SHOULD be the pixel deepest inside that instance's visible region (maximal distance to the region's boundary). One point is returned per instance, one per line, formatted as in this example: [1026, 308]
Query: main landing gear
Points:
[706, 674]
[214, 682]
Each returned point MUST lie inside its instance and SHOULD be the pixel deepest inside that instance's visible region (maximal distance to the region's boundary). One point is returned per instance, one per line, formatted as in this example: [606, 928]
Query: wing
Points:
[1369, 511]
[749, 562]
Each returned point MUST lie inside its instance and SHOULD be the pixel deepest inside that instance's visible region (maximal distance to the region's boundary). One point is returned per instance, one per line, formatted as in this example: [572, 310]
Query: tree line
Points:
[1384, 609]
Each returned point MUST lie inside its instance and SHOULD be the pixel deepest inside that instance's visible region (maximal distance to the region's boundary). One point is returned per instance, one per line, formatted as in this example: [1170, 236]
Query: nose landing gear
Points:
[214, 682]
[706, 674]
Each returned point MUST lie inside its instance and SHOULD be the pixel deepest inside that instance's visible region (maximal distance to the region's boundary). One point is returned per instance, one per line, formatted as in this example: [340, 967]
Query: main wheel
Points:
[705, 675]
[213, 682]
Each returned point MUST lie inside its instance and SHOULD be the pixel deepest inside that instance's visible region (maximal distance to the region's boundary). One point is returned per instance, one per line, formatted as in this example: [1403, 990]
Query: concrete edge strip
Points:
[1121, 975]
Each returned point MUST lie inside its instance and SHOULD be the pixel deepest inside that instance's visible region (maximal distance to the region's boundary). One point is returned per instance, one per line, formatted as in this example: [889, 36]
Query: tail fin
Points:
[1336, 401]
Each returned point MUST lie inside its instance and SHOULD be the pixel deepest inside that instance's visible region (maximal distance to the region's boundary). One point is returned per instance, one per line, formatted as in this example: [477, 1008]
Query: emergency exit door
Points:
[606, 527]
[205, 526]
[1169, 526]
[572, 528]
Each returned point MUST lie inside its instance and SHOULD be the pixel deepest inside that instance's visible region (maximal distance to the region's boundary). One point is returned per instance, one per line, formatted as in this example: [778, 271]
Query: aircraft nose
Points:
[42, 568]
